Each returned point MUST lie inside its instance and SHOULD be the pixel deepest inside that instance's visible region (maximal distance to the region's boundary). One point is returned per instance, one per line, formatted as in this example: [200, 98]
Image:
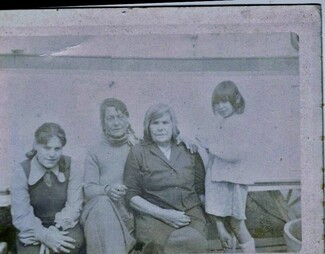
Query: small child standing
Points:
[226, 184]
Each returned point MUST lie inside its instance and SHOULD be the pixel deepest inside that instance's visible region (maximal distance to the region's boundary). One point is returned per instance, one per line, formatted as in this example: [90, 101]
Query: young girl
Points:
[226, 179]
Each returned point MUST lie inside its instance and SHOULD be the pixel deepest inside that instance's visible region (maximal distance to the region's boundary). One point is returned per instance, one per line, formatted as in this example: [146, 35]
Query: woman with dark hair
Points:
[165, 187]
[46, 198]
[227, 152]
[108, 223]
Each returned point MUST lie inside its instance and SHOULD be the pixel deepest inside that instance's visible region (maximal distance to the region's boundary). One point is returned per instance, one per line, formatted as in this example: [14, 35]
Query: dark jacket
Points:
[171, 184]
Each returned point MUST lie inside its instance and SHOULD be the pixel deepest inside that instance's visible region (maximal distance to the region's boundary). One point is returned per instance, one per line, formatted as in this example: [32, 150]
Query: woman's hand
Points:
[65, 224]
[174, 218]
[171, 217]
[58, 240]
[116, 192]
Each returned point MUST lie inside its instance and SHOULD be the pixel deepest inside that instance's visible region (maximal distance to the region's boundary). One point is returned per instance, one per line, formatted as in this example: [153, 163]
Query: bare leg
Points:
[242, 234]
[225, 235]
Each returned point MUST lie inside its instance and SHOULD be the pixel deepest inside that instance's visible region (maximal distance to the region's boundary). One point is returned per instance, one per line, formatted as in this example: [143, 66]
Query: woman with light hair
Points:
[165, 187]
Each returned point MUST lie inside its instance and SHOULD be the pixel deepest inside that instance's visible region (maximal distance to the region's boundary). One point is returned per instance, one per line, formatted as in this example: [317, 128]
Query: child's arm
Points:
[225, 152]
[222, 151]
[227, 159]
[189, 143]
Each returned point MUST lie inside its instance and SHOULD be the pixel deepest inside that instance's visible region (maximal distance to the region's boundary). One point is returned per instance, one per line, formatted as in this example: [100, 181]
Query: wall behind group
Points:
[72, 99]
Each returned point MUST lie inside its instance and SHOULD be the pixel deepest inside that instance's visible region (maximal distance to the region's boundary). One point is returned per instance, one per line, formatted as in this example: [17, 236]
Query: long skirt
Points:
[167, 239]
[107, 227]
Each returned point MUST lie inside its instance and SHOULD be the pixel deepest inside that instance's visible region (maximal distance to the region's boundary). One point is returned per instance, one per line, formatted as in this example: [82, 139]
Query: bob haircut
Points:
[44, 133]
[154, 112]
[112, 102]
[228, 91]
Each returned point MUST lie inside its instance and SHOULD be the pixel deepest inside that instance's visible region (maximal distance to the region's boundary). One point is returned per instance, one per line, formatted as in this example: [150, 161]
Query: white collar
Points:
[37, 171]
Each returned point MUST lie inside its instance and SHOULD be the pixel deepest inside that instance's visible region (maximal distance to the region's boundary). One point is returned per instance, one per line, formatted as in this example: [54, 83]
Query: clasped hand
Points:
[116, 192]
[174, 218]
[58, 240]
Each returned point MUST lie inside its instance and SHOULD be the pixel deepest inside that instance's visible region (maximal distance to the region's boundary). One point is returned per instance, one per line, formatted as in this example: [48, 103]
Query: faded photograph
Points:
[152, 137]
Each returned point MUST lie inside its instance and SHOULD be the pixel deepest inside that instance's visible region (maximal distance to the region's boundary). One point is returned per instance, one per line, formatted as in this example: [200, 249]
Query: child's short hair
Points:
[228, 91]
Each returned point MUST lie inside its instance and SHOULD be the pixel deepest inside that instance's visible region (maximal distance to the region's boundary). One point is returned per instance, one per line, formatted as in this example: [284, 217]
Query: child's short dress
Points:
[224, 153]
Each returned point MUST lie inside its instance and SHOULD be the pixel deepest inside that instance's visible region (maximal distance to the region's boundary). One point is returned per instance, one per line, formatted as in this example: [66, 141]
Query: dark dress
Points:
[170, 184]
[47, 201]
